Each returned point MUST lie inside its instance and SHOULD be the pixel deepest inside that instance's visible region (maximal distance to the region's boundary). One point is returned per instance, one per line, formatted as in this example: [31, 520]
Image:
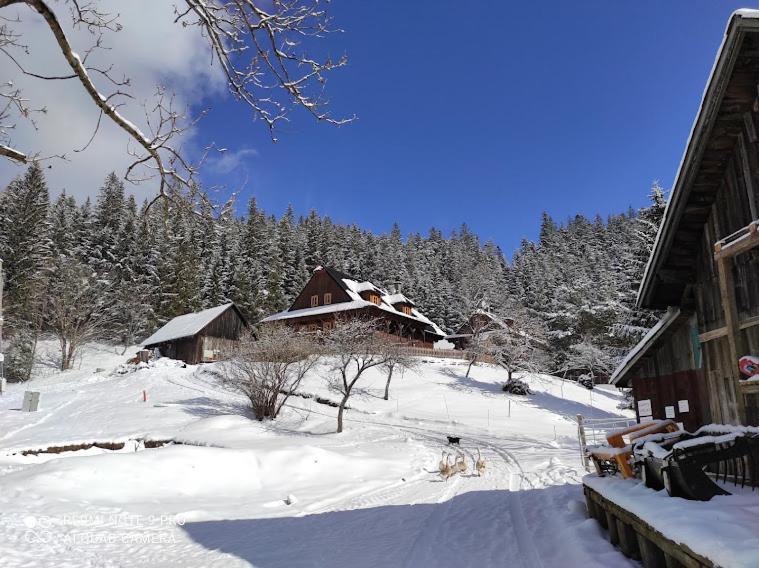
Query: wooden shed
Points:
[705, 261]
[200, 337]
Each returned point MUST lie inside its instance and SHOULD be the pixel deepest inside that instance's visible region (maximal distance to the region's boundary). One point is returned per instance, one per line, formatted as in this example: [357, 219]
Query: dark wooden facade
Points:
[695, 264]
[210, 343]
[326, 297]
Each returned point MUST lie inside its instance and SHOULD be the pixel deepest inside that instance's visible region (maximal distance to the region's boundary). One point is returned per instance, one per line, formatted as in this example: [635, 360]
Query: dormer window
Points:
[327, 299]
[406, 309]
[374, 299]
[314, 301]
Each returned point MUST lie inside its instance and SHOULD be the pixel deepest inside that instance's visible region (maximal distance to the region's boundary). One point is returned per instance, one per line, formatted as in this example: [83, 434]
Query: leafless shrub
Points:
[75, 308]
[268, 365]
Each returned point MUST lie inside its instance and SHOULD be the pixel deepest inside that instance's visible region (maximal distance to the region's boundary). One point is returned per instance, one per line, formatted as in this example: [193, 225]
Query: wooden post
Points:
[732, 324]
[582, 440]
[2, 354]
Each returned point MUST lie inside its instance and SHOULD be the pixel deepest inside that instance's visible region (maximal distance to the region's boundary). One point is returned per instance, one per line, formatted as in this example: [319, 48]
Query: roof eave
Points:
[739, 23]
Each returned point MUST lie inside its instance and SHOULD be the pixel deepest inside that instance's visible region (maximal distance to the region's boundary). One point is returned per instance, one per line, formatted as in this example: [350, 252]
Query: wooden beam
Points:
[734, 335]
[722, 331]
[712, 334]
[743, 243]
[748, 180]
[748, 121]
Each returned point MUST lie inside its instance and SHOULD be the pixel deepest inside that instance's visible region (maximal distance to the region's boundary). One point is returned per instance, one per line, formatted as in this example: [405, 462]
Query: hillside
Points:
[232, 491]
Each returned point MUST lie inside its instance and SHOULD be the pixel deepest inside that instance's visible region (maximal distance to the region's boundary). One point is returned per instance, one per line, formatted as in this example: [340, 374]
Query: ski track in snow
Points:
[519, 458]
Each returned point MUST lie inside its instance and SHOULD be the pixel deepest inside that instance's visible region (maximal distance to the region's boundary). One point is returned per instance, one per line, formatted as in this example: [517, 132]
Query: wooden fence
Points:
[445, 354]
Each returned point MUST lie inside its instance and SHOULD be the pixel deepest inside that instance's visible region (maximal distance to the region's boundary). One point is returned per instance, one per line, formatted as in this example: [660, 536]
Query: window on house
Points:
[406, 310]
[374, 299]
[328, 325]
[327, 299]
[314, 301]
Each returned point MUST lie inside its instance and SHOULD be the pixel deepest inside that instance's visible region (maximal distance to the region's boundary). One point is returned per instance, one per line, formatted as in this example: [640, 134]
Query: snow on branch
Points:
[260, 52]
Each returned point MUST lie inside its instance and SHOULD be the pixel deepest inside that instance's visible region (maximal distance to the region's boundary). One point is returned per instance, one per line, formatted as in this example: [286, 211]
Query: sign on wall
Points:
[644, 407]
[682, 406]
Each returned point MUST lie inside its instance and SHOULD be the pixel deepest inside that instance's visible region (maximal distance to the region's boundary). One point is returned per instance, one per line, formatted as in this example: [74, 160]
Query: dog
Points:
[453, 440]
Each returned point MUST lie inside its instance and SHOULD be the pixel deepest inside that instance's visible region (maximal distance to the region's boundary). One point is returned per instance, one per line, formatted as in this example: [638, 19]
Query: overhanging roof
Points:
[730, 91]
[620, 376]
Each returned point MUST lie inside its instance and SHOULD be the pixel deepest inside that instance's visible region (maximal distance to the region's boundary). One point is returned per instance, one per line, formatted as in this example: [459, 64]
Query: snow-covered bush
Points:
[586, 381]
[628, 402]
[517, 386]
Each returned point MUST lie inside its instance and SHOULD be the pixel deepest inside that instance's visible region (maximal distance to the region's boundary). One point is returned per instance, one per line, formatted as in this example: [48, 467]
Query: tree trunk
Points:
[469, 368]
[510, 373]
[340, 410]
[387, 385]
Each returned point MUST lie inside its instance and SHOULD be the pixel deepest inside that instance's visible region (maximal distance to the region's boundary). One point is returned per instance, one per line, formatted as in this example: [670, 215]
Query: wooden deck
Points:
[639, 540]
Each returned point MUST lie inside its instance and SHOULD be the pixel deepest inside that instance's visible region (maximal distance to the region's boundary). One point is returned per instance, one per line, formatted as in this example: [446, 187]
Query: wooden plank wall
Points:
[668, 390]
[734, 208]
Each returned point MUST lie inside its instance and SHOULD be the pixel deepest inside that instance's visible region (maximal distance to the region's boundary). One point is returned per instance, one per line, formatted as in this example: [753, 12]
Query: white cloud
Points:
[226, 161]
[150, 49]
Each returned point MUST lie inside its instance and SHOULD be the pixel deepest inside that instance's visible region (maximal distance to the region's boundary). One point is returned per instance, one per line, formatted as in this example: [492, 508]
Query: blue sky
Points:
[487, 113]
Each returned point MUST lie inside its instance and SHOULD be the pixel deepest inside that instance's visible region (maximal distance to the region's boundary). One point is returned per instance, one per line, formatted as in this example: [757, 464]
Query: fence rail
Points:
[445, 354]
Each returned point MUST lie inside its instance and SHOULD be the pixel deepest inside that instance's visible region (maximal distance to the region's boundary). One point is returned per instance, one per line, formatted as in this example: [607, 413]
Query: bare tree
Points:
[75, 308]
[589, 358]
[480, 324]
[520, 346]
[268, 365]
[354, 347]
[396, 358]
[258, 44]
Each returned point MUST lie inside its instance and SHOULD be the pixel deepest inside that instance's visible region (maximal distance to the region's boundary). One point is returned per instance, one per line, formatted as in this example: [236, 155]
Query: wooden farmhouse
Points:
[200, 337]
[330, 293]
[704, 268]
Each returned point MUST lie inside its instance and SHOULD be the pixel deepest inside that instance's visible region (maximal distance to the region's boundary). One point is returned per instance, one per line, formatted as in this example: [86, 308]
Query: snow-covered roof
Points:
[393, 299]
[186, 325]
[359, 287]
[318, 310]
[618, 377]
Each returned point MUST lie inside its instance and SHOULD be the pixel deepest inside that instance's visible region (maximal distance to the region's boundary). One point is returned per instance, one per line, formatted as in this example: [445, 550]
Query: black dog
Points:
[452, 440]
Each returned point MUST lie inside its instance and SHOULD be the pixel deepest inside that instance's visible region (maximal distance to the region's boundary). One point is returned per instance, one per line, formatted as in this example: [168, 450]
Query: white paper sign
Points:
[644, 407]
[669, 411]
[682, 406]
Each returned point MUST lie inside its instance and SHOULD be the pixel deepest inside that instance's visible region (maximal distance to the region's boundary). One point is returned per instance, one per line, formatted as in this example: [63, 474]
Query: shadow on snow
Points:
[481, 528]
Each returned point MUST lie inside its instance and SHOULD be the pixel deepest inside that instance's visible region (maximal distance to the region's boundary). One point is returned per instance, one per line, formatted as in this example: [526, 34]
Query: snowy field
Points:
[292, 493]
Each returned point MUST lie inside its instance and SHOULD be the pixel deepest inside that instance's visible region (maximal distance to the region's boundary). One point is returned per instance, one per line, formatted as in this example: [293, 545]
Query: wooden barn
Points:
[329, 293]
[200, 337]
[704, 268]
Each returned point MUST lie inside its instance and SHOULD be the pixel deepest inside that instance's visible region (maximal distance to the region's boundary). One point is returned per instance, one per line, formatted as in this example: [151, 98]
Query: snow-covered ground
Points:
[290, 493]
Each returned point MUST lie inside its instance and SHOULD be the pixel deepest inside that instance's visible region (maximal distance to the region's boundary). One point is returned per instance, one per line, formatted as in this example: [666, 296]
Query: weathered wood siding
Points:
[320, 283]
[219, 335]
[669, 390]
